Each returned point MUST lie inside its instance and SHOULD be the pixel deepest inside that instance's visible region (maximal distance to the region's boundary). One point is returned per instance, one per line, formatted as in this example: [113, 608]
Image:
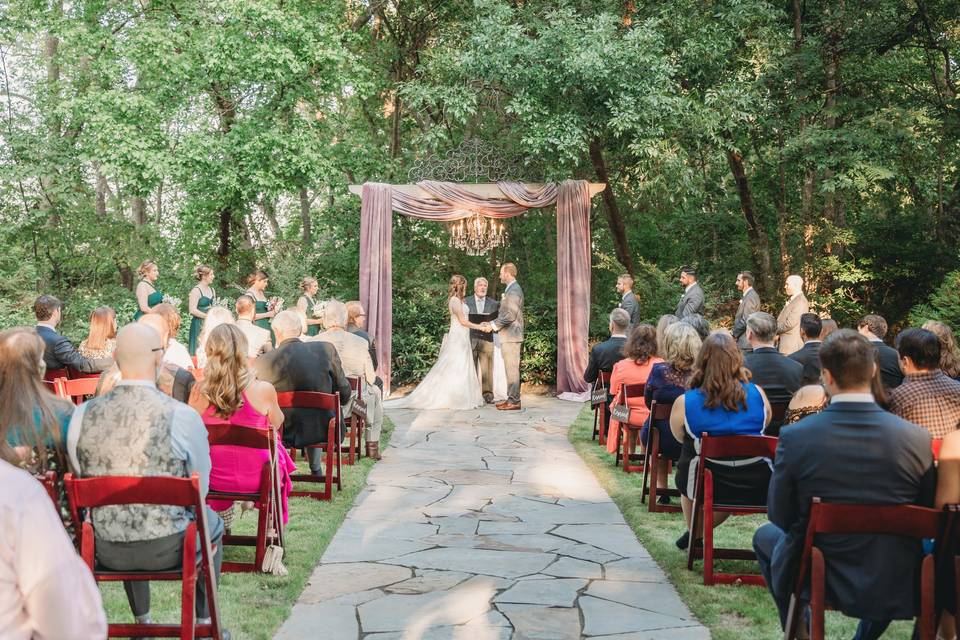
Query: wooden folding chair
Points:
[251, 438]
[778, 411]
[76, 390]
[332, 463]
[90, 493]
[659, 411]
[49, 482]
[704, 506]
[858, 519]
[630, 426]
[599, 397]
[354, 424]
[52, 375]
[80, 375]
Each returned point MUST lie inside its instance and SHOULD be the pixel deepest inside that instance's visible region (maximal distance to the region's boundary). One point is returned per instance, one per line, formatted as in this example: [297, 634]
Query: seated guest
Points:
[47, 591]
[176, 382]
[699, 324]
[829, 326]
[609, 352]
[216, 316]
[829, 455]
[874, 328]
[101, 340]
[258, 339]
[355, 359]
[777, 374]
[59, 353]
[639, 357]
[667, 382]
[356, 323]
[230, 394]
[303, 366]
[175, 352]
[926, 397]
[33, 420]
[805, 402]
[721, 402]
[135, 430]
[809, 355]
[662, 325]
[949, 355]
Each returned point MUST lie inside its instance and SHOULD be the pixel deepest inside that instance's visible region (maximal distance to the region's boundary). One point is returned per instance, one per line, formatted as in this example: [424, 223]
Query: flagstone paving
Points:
[487, 525]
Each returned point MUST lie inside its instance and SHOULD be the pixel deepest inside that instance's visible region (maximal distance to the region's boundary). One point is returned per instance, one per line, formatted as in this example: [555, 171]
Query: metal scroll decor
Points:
[471, 161]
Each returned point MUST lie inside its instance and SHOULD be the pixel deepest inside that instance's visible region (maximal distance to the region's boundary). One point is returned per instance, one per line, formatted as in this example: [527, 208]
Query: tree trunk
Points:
[612, 209]
[101, 194]
[305, 218]
[51, 46]
[227, 116]
[139, 211]
[759, 243]
[269, 211]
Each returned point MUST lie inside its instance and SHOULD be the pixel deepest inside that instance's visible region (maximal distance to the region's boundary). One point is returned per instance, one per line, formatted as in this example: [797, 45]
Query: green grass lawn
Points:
[254, 605]
[731, 612]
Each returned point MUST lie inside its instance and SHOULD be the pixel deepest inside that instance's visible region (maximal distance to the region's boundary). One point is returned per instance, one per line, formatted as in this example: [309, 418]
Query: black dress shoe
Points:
[683, 541]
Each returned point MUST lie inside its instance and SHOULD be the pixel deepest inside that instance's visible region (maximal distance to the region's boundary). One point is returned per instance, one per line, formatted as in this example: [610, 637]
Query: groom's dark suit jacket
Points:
[490, 305]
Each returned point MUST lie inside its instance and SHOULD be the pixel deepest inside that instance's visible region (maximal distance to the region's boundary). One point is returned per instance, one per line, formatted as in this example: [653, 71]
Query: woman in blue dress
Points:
[721, 402]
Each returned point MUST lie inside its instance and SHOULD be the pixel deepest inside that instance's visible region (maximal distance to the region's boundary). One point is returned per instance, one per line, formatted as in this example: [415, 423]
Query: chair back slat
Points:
[52, 374]
[309, 400]
[604, 377]
[115, 490]
[633, 390]
[76, 389]
[356, 384]
[778, 411]
[738, 446]
[661, 410]
[248, 436]
[902, 520]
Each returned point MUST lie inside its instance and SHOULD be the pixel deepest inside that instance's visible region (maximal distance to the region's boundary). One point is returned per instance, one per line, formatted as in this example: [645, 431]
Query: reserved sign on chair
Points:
[598, 396]
[620, 413]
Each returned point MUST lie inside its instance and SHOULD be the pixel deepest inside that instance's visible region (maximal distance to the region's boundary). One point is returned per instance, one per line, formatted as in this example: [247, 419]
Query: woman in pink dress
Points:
[230, 394]
[640, 354]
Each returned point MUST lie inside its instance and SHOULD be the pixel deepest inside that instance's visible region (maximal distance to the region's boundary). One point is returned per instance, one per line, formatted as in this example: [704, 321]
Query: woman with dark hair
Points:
[721, 402]
[102, 338]
[639, 356]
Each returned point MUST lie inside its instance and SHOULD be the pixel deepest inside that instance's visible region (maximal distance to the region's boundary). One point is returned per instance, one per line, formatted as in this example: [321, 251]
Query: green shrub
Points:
[943, 305]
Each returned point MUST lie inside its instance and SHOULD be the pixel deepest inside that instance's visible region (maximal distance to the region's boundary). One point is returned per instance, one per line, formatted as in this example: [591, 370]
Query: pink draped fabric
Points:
[451, 202]
[573, 284]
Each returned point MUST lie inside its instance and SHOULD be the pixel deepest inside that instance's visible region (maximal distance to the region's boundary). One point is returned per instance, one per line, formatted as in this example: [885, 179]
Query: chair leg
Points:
[817, 596]
[695, 518]
[188, 586]
[926, 623]
[707, 527]
[644, 487]
[603, 424]
[263, 520]
[653, 453]
[629, 441]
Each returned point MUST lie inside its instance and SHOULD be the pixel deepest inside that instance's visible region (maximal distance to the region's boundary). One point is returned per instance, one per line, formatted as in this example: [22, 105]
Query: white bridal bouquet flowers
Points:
[172, 301]
[226, 303]
[318, 309]
[275, 304]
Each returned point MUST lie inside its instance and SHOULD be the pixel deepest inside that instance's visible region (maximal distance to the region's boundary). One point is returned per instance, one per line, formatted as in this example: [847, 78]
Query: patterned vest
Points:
[127, 432]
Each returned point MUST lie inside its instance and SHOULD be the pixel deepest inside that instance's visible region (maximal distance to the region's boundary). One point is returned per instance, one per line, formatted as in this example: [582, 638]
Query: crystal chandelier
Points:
[477, 234]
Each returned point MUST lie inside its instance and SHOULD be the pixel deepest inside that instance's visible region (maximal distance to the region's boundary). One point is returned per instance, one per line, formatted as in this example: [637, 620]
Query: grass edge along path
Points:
[731, 612]
[254, 605]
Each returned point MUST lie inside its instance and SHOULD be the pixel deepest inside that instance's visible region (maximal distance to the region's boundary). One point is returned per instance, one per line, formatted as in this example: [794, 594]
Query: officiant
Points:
[483, 309]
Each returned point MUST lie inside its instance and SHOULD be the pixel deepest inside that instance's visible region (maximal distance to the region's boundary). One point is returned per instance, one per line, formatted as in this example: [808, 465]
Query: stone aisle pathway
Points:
[487, 525]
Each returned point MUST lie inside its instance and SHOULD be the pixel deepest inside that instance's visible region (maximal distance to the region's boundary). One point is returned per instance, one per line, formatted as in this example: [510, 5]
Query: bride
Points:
[452, 382]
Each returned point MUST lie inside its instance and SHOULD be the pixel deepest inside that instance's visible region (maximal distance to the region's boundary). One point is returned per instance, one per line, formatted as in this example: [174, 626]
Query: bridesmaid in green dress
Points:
[308, 288]
[257, 283]
[147, 294]
[201, 299]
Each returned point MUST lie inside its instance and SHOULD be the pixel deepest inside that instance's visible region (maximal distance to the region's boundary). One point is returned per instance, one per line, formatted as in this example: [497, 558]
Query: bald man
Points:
[135, 430]
[788, 322]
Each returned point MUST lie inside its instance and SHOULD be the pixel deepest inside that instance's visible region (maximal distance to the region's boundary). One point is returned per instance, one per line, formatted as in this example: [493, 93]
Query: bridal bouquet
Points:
[318, 309]
[275, 304]
[172, 301]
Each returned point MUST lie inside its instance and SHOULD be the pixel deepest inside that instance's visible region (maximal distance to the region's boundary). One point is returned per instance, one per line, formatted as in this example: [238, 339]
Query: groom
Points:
[509, 324]
[481, 342]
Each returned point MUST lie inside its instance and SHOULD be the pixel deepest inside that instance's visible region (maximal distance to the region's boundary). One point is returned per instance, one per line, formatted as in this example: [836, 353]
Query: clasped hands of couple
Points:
[486, 327]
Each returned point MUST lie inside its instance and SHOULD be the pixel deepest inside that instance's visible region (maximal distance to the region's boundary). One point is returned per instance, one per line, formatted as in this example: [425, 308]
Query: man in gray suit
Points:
[691, 302]
[481, 342]
[788, 322]
[749, 303]
[628, 299]
[509, 324]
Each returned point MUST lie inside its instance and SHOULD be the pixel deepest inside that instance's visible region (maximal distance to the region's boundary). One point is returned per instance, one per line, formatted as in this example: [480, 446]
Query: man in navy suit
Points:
[609, 352]
[59, 352]
[853, 452]
[809, 356]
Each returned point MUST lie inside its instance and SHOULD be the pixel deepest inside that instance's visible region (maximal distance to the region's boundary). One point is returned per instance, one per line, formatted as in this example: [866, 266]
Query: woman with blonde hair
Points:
[230, 394]
[949, 354]
[175, 352]
[101, 339]
[198, 303]
[216, 316]
[308, 289]
[148, 296]
[452, 382]
[33, 421]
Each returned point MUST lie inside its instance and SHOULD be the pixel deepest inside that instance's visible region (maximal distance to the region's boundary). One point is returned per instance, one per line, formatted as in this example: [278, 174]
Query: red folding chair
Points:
[80, 375]
[704, 506]
[49, 482]
[90, 493]
[778, 411]
[52, 375]
[76, 390]
[354, 424]
[630, 426]
[332, 463]
[598, 399]
[900, 520]
[251, 438]
[659, 411]
[935, 445]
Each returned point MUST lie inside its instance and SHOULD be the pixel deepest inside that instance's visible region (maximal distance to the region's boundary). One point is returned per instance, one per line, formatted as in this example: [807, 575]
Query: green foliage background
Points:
[818, 138]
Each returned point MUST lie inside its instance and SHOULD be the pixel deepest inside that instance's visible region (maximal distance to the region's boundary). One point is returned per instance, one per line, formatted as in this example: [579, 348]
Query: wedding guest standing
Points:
[148, 296]
[306, 303]
[200, 300]
[788, 322]
[101, 339]
[256, 288]
[749, 303]
[692, 300]
[628, 299]
[59, 353]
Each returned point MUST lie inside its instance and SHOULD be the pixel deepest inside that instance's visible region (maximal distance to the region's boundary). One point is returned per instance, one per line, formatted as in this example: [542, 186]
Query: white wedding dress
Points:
[452, 382]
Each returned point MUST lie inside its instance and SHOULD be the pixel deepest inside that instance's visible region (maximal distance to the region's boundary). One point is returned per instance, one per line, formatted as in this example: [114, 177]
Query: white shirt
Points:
[852, 397]
[177, 354]
[46, 591]
[47, 325]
